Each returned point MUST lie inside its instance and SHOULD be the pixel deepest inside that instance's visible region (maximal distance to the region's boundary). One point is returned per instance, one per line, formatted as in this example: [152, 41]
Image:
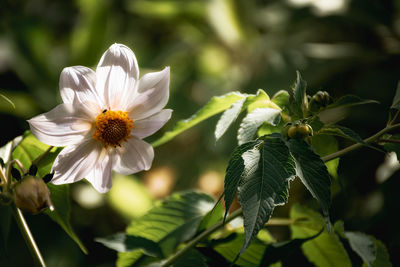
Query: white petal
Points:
[146, 127]
[153, 95]
[100, 176]
[117, 74]
[75, 162]
[134, 156]
[78, 83]
[62, 126]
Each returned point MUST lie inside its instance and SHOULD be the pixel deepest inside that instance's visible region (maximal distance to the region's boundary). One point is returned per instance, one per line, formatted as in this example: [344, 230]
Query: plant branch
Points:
[26, 233]
[385, 140]
[198, 238]
[394, 118]
[358, 145]
[2, 176]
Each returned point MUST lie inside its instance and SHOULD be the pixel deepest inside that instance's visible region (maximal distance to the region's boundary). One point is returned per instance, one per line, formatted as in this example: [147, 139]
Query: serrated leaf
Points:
[122, 242]
[325, 145]
[350, 100]
[313, 173]
[169, 224]
[260, 100]
[234, 173]
[326, 249]
[396, 99]
[279, 251]
[227, 118]
[253, 120]
[216, 105]
[281, 98]
[269, 167]
[345, 133]
[298, 97]
[27, 151]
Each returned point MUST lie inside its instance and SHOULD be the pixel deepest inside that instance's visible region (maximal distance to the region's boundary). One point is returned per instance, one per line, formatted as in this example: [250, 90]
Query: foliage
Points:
[214, 47]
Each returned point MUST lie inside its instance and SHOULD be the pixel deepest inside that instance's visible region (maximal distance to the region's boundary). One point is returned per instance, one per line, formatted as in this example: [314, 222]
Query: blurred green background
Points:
[212, 47]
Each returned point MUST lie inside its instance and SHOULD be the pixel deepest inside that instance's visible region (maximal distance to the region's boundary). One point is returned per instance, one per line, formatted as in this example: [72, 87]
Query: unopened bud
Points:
[320, 100]
[32, 195]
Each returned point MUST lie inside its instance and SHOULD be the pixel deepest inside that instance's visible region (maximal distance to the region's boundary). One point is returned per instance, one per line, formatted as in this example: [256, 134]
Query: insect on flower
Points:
[104, 117]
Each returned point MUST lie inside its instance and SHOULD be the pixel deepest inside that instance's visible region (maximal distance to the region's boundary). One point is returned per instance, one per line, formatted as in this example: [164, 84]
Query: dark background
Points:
[212, 47]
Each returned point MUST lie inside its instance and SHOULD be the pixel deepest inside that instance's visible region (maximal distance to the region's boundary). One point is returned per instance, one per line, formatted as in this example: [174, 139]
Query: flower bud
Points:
[320, 100]
[32, 195]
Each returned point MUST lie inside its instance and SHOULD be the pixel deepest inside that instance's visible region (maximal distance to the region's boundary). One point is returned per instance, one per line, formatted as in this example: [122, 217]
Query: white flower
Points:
[103, 119]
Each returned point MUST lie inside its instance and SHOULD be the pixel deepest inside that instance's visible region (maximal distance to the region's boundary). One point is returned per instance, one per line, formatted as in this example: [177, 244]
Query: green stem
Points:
[394, 118]
[384, 140]
[358, 145]
[19, 217]
[3, 176]
[26, 233]
[198, 238]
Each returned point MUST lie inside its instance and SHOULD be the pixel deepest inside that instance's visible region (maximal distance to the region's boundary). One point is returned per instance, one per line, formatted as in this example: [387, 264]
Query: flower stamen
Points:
[112, 127]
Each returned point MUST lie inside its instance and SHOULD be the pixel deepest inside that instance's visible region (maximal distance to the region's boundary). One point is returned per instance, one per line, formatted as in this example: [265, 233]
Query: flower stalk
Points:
[28, 237]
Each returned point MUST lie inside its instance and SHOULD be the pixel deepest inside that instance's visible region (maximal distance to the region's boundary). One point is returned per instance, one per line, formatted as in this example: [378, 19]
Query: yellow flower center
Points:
[112, 127]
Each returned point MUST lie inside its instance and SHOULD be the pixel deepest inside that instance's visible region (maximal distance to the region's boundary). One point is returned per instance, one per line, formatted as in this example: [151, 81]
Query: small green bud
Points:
[32, 195]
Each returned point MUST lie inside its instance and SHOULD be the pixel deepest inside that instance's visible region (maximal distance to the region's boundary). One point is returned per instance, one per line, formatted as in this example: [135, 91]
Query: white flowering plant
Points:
[99, 129]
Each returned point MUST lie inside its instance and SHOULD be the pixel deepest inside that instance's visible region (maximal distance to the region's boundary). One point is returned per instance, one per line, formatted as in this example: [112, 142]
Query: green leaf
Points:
[313, 173]
[324, 145]
[254, 120]
[212, 217]
[170, 223]
[216, 105]
[363, 245]
[281, 98]
[326, 249]
[229, 250]
[371, 251]
[227, 118]
[345, 133]
[260, 100]
[281, 250]
[350, 100]
[234, 172]
[124, 243]
[298, 97]
[27, 151]
[9, 101]
[265, 182]
[396, 99]
[382, 256]
[190, 259]
[6, 150]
